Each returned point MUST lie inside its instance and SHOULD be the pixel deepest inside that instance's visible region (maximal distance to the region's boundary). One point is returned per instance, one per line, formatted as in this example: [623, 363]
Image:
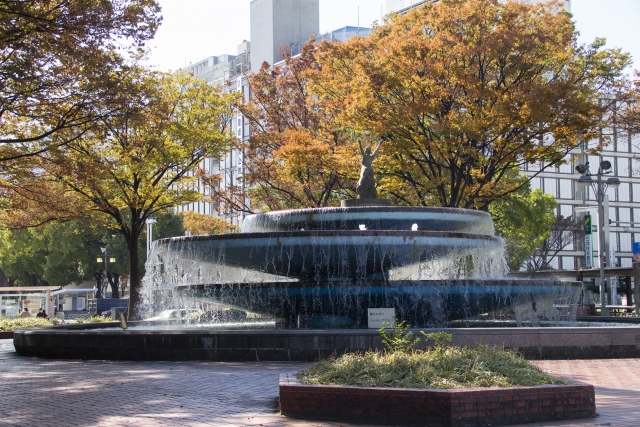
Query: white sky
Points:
[196, 29]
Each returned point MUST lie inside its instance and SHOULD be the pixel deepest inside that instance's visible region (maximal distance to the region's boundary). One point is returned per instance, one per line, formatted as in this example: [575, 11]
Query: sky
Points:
[197, 29]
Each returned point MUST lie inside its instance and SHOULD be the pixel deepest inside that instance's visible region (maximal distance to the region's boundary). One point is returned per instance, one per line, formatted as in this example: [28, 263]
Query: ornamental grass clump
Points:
[11, 324]
[442, 367]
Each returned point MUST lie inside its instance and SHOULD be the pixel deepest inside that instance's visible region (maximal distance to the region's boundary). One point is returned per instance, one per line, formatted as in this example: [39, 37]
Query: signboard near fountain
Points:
[382, 318]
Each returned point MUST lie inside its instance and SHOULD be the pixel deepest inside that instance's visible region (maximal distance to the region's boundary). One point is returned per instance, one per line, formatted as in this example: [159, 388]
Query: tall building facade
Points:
[277, 24]
[622, 205]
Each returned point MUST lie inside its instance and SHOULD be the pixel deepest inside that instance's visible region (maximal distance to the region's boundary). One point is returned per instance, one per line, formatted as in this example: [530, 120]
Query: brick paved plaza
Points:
[36, 392]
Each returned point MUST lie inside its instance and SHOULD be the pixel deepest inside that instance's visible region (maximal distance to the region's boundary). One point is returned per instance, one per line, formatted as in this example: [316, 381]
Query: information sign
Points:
[636, 251]
[588, 241]
[382, 317]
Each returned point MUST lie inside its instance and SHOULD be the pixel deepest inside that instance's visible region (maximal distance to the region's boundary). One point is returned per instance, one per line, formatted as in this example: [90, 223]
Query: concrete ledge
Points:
[450, 408]
[62, 342]
[353, 203]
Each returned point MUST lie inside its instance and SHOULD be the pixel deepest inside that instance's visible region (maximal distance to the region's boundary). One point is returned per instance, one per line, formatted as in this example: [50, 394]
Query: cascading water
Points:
[326, 267]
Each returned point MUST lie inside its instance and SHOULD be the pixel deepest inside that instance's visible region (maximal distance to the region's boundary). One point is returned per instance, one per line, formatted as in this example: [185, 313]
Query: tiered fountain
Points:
[326, 267]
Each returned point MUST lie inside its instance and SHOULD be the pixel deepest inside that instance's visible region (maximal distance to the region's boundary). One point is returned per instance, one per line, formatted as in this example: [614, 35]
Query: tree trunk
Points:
[114, 282]
[134, 276]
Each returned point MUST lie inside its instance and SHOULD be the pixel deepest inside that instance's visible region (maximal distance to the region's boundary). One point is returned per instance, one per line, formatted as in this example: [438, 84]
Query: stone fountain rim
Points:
[409, 234]
[382, 209]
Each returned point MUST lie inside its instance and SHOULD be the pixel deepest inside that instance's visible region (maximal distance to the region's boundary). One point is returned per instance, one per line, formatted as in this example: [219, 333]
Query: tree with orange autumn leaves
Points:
[463, 93]
[297, 157]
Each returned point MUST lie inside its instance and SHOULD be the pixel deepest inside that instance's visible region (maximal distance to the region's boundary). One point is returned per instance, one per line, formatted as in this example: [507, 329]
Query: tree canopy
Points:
[64, 253]
[130, 166]
[463, 91]
[296, 157]
[523, 219]
[65, 64]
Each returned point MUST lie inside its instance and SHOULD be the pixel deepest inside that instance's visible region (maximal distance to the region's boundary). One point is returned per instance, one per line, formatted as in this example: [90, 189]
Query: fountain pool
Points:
[324, 268]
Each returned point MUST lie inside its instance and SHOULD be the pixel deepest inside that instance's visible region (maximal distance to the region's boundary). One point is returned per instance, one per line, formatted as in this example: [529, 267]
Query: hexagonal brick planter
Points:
[441, 408]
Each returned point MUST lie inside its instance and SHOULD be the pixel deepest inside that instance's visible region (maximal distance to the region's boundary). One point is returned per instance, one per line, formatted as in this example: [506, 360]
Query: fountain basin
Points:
[71, 342]
[373, 218]
[324, 254]
[424, 303]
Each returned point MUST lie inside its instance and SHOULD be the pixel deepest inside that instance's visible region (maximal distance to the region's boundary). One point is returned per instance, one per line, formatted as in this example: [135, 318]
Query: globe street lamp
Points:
[599, 188]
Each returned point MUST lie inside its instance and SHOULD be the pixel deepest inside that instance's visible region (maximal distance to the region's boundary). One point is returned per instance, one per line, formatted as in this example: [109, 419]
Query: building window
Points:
[568, 263]
[623, 167]
[624, 215]
[550, 187]
[623, 144]
[535, 184]
[623, 192]
[625, 262]
[566, 211]
[567, 167]
[624, 242]
[635, 143]
[566, 189]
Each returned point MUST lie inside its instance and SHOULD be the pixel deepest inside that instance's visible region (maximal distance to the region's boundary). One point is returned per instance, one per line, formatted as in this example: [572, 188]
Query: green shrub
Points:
[11, 324]
[399, 338]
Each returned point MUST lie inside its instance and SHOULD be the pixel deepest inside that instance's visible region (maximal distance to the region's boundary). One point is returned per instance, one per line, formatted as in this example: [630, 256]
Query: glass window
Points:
[623, 167]
[566, 189]
[635, 167]
[623, 192]
[636, 217]
[624, 214]
[612, 214]
[566, 211]
[635, 143]
[533, 166]
[594, 163]
[635, 192]
[568, 263]
[554, 263]
[566, 167]
[625, 242]
[550, 187]
[569, 236]
[535, 184]
[625, 262]
[623, 144]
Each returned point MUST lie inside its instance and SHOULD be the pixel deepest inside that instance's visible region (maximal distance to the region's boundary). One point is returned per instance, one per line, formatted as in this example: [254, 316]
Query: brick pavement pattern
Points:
[57, 393]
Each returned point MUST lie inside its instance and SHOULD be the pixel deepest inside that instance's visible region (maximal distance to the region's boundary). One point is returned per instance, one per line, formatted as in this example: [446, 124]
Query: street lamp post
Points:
[599, 188]
[149, 222]
[105, 257]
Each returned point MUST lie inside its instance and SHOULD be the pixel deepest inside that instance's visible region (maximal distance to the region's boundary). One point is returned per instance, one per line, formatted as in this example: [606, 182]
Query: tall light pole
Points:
[149, 222]
[599, 188]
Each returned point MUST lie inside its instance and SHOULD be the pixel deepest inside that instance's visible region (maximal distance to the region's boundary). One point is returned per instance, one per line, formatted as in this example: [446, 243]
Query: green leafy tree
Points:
[65, 64]
[60, 254]
[523, 219]
[131, 166]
